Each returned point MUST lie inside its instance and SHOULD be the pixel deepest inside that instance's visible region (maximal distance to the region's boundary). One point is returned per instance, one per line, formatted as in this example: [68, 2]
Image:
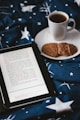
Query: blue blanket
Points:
[20, 21]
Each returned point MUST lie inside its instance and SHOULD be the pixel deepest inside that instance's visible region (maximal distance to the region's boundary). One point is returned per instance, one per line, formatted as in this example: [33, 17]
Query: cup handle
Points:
[71, 20]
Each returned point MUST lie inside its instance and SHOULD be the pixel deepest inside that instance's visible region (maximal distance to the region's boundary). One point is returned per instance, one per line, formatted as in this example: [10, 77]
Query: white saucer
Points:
[72, 37]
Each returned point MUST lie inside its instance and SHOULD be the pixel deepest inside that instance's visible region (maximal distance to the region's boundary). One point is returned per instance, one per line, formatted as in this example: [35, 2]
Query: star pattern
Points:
[25, 34]
[45, 8]
[71, 74]
[27, 8]
[10, 117]
[78, 2]
[60, 106]
[66, 84]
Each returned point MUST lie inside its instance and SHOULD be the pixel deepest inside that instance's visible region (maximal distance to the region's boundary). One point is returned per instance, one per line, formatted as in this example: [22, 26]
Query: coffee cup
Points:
[58, 22]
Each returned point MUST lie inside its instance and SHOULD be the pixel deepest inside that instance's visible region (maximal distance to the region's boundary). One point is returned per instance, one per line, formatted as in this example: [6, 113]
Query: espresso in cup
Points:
[57, 18]
[58, 24]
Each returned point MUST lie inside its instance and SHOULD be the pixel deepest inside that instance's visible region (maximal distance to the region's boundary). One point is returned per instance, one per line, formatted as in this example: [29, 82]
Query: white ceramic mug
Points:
[58, 24]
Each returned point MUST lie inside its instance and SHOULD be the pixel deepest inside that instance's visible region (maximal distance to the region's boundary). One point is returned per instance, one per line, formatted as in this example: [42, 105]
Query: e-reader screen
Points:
[22, 75]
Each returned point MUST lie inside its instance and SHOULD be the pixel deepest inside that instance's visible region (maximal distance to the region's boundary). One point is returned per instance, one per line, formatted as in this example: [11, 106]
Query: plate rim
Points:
[61, 41]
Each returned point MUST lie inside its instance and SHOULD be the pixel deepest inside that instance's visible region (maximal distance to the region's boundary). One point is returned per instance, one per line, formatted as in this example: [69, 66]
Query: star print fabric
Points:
[20, 21]
[68, 70]
[38, 16]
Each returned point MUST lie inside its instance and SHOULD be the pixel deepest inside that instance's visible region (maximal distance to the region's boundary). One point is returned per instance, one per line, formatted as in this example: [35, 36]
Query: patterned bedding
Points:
[20, 21]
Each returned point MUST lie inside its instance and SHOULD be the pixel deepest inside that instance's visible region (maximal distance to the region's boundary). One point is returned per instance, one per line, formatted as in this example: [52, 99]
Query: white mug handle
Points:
[71, 20]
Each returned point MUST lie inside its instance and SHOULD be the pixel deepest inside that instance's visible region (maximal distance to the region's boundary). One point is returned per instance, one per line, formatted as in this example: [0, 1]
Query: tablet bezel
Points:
[43, 70]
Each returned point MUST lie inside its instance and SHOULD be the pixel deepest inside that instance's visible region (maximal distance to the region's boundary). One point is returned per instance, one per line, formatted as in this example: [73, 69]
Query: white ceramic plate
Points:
[72, 37]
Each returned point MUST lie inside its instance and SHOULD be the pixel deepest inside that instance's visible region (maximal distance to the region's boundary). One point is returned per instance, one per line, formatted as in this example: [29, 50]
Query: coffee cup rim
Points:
[59, 12]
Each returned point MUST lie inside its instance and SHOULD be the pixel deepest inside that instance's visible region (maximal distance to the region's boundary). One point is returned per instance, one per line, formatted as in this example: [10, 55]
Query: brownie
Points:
[66, 49]
[72, 49]
[63, 49]
[50, 49]
[59, 49]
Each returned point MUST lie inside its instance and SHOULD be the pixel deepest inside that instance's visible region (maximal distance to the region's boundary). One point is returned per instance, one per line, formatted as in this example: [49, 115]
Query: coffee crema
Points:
[57, 18]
